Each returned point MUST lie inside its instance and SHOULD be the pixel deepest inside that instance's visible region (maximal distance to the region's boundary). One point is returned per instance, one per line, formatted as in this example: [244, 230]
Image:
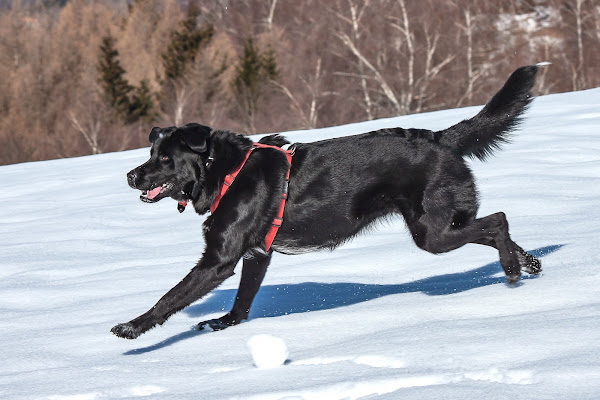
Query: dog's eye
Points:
[164, 158]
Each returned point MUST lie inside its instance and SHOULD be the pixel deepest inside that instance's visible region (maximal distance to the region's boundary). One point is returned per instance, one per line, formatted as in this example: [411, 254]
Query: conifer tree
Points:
[184, 44]
[130, 103]
[252, 74]
[115, 88]
[141, 104]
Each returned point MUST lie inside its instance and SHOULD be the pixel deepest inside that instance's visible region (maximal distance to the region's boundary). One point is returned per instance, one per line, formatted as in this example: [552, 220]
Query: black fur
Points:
[337, 187]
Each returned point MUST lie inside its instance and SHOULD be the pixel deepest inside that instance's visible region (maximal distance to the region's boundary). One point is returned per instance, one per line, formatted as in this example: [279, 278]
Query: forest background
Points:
[84, 77]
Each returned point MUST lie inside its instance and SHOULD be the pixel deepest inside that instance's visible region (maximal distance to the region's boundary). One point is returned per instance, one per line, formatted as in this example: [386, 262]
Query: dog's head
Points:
[177, 163]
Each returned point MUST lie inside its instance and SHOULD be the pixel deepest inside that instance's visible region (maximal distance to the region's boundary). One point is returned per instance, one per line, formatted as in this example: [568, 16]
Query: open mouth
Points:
[153, 195]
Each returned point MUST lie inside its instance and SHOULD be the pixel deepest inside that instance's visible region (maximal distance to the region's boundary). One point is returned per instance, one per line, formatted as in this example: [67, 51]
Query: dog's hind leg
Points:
[253, 272]
[437, 234]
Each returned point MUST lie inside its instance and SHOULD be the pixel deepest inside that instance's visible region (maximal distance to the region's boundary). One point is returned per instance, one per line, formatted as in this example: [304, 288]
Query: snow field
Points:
[376, 318]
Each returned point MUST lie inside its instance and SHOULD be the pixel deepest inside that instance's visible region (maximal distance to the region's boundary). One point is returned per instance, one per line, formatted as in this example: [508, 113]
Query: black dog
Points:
[336, 188]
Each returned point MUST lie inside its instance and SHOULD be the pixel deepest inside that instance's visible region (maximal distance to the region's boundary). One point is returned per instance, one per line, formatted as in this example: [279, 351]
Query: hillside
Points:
[376, 318]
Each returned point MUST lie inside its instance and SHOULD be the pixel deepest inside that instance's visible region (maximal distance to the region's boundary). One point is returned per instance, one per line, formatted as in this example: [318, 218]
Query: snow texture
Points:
[376, 318]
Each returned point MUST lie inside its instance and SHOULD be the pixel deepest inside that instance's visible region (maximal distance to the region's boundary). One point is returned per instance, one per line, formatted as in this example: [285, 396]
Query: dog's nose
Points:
[131, 177]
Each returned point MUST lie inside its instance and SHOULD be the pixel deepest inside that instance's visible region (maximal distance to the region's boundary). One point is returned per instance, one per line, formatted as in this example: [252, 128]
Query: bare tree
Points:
[432, 69]
[472, 74]
[91, 132]
[579, 17]
[405, 29]
[310, 116]
[315, 93]
[272, 5]
[356, 14]
[183, 93]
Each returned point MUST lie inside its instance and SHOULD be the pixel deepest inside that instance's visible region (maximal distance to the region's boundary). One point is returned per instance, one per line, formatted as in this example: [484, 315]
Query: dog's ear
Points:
[157, 133]
[195, 136]
[154, 134]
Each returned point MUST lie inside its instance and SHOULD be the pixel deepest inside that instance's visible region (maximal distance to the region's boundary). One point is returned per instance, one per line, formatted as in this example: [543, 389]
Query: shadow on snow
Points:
[278, 300]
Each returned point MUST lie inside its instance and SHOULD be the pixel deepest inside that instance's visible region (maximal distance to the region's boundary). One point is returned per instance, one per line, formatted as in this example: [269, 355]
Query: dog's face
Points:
[176, 166]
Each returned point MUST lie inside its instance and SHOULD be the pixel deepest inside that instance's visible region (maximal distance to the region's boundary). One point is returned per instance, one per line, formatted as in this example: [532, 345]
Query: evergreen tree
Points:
[252, 74]
[141, 104]
[270, 64]
[184, 44]
[115, 88]
[129, 103]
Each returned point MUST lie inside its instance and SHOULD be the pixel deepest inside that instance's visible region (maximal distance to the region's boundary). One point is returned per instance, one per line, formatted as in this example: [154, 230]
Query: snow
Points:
[268, 351]
[376, 318]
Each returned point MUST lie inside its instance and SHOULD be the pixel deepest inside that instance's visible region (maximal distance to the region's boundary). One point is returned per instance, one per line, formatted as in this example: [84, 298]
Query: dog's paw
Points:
[126, 331]
[212, 324]
[532, 265]
[529, 263]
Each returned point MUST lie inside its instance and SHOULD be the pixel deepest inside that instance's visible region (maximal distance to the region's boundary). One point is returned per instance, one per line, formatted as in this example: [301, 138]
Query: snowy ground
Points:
[377, 318]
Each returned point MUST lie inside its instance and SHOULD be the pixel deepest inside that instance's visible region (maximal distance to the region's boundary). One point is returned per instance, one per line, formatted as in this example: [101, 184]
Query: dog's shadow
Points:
[278, 300]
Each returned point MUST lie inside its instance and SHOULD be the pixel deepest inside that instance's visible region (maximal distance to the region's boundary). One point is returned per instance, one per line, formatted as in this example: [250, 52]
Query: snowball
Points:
[267, 351]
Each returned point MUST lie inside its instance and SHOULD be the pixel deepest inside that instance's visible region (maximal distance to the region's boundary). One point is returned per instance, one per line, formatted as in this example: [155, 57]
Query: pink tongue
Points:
[153, 193]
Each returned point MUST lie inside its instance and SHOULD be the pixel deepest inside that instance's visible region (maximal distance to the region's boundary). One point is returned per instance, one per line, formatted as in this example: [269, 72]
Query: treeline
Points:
[81, 77]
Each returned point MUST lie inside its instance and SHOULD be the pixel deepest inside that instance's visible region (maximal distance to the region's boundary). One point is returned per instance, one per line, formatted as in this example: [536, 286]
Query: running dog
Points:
[318, 195]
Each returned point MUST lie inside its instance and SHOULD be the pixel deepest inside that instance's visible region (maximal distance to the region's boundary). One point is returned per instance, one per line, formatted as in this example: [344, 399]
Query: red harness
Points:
[277, 221]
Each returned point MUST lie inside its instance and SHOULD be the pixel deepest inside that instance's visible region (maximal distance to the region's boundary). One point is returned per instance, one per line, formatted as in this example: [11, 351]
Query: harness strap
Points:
[229, 178]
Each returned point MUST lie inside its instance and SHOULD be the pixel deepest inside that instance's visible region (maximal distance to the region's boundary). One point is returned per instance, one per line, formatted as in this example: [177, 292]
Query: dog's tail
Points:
[488, 130]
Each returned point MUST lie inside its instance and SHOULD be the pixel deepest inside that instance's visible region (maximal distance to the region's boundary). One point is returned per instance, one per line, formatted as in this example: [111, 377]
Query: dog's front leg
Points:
[203, 278]
[253, 273]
